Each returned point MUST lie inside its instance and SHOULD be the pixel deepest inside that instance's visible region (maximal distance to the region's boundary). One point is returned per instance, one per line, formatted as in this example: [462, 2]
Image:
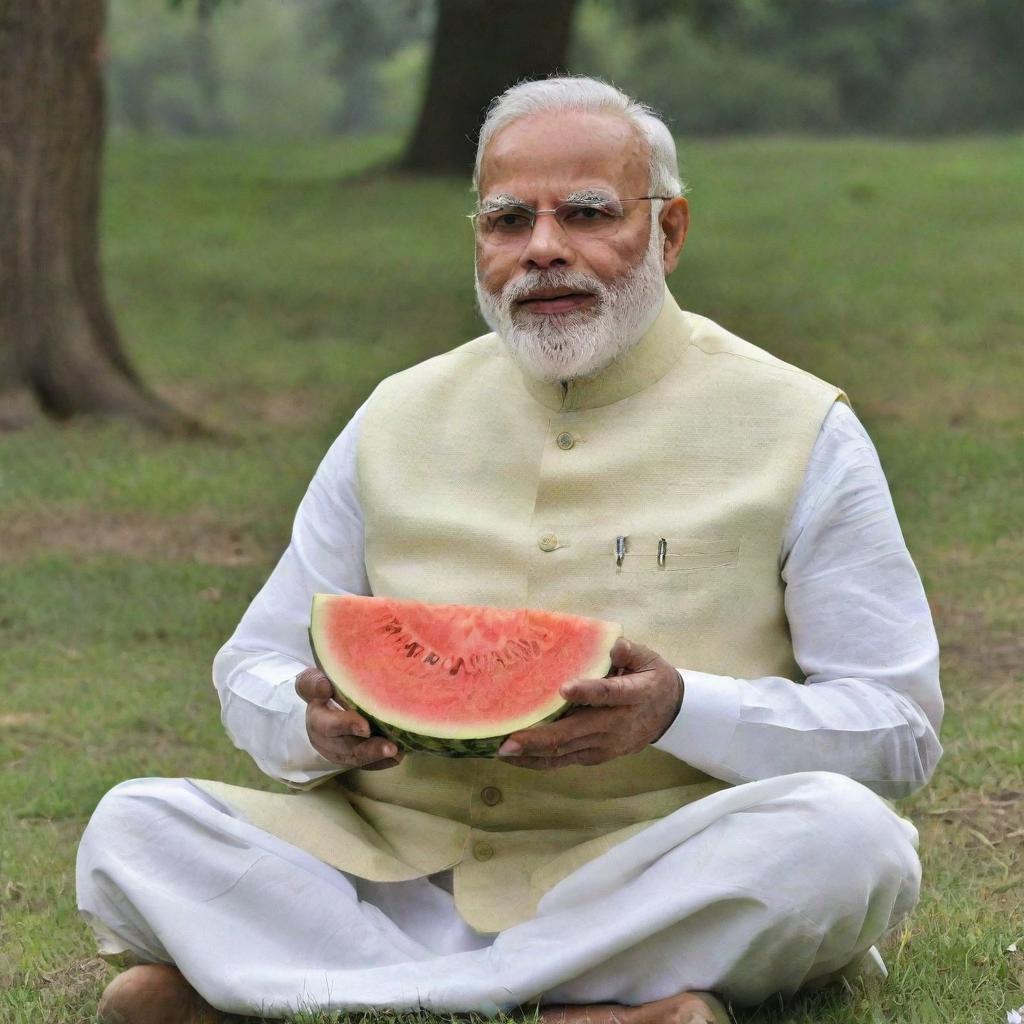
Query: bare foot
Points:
[155, 994]
[685, 1008]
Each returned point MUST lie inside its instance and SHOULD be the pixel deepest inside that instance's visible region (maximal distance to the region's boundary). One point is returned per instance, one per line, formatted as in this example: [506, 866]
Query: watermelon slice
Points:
[453, 679]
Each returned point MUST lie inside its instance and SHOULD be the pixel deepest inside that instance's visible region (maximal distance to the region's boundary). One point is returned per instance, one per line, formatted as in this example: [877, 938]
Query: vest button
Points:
[565, 440]
[548, 541]
[491, 795]
[483, 851]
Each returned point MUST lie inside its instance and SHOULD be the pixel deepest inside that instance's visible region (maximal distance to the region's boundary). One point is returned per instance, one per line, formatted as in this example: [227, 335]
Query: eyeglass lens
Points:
[513, 223]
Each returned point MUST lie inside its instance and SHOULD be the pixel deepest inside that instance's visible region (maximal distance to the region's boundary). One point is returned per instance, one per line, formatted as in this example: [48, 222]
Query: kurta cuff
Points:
[703, 729]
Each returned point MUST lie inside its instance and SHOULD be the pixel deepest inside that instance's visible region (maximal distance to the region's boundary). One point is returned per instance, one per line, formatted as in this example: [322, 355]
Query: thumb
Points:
[627, 656]
[312, 685]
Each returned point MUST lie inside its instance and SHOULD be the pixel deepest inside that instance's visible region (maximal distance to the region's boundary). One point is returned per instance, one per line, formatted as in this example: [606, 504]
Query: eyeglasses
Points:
[512, 224]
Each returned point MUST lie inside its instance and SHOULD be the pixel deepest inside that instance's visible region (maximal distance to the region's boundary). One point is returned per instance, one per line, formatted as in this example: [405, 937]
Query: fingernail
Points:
[390, 750]
[510, 747]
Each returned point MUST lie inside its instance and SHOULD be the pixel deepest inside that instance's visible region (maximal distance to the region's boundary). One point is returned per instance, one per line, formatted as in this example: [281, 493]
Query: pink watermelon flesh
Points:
[454, 679]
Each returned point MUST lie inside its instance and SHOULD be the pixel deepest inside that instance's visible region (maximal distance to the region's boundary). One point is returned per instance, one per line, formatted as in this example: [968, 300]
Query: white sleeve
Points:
[862, 635]
[255, 671]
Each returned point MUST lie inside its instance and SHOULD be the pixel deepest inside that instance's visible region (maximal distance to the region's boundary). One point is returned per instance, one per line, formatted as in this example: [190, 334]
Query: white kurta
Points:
[755, 889]
[861, 627]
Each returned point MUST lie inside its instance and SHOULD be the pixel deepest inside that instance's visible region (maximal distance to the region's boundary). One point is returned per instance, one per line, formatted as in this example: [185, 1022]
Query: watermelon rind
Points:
[457, 741]
[443, 746]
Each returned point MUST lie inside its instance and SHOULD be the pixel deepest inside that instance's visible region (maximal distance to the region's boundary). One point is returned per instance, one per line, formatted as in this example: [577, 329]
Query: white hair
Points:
[592, 96]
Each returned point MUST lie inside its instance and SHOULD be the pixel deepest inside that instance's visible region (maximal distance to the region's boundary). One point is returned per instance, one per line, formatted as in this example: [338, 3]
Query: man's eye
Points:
[508, 220]
[583, 214]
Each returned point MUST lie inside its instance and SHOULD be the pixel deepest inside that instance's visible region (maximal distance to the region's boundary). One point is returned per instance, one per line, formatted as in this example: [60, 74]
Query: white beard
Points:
[564, 346]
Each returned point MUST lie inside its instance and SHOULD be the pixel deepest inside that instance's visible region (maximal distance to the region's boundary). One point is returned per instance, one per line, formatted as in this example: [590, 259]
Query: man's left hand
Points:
[617, 715]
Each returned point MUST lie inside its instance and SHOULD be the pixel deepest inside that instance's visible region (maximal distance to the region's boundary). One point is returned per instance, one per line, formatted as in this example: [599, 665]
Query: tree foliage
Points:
[362, 34]
[903, 66]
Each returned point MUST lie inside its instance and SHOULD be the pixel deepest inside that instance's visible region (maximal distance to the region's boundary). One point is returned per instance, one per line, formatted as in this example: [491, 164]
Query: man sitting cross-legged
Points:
[710, 817]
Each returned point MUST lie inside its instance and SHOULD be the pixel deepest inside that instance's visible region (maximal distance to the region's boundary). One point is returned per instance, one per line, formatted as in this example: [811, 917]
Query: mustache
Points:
[571, 280]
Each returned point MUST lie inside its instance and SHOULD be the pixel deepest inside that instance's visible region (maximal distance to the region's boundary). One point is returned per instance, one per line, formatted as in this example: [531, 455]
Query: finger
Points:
[563, 747]
[589, 756]
[351, 753]
[311, 684]
[613, 692]
[374, 750]
[388, 762]
[542, 739]
[332, 722]
[564, 736]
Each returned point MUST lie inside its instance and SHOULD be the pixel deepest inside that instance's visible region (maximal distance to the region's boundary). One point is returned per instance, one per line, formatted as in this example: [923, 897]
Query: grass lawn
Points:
[267, 288]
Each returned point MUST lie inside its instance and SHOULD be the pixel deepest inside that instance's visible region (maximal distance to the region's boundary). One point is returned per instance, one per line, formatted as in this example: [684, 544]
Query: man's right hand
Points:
[338, 733]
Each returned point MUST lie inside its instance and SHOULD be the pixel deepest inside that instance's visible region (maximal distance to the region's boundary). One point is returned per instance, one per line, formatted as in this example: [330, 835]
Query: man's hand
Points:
[338, 733]
[621, 714]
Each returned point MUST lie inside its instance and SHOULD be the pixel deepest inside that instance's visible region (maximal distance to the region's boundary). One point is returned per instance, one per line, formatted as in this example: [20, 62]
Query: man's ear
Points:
[675, 222]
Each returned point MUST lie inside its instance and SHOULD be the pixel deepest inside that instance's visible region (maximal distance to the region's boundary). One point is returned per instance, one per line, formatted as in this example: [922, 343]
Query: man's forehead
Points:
[559, 154]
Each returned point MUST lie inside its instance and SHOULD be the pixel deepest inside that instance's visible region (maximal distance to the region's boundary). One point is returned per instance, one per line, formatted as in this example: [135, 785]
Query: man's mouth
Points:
[555, 301]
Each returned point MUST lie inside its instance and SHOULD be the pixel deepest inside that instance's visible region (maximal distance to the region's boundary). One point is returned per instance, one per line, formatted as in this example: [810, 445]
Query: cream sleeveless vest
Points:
[479, 486]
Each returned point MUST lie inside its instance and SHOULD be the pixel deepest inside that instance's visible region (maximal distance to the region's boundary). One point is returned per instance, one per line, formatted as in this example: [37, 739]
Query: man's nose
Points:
[548, 245]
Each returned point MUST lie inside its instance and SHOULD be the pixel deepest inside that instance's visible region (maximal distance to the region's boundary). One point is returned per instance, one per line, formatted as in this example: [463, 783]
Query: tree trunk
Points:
[59, 346]
[480, 49]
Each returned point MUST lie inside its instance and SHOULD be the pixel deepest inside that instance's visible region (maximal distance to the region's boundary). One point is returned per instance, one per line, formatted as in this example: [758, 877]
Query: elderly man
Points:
[708, 819]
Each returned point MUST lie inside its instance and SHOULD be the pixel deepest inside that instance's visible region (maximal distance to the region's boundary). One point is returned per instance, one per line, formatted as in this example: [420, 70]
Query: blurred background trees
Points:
[909, 67]
[422, 71]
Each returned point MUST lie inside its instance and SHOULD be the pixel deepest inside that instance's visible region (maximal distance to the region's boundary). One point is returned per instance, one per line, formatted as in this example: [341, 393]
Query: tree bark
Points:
[480, 49]
[59, 345]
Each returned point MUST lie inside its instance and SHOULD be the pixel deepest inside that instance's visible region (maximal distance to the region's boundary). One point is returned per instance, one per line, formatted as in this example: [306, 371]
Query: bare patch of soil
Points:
[87, 532]
[17, 719]
[974, 649]
[987, 819]
[291, 407]
[946, 403]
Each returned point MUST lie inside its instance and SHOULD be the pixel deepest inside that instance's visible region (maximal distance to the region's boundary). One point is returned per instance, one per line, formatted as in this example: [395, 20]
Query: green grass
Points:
[267, 288]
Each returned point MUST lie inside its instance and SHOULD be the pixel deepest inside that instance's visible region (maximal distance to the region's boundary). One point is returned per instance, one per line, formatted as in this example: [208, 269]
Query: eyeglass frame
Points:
[526, 208]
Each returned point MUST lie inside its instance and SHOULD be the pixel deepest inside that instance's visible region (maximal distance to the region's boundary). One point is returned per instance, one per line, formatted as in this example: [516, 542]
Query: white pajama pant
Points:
[757, 889]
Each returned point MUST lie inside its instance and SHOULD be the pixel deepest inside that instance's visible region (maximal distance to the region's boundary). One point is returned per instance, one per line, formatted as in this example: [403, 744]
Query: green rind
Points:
[484, 747]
